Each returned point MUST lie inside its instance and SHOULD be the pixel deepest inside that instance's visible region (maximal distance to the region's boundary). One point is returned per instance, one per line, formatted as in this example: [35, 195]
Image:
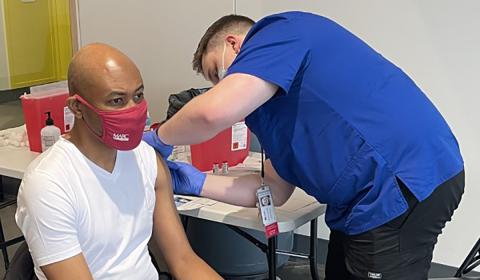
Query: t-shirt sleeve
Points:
[148, 160]
[45, 215]
[274, 50]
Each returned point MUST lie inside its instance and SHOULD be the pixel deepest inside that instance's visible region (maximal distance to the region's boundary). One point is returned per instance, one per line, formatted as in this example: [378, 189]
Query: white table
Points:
[298, 210]
[14, 161]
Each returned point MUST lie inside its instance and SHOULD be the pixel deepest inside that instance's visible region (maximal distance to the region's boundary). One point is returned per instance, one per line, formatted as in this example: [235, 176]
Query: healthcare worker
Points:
[341, 122]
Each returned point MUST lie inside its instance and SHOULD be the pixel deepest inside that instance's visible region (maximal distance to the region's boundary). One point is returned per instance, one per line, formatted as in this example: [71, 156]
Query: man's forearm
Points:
[239, 191]
[194, 268]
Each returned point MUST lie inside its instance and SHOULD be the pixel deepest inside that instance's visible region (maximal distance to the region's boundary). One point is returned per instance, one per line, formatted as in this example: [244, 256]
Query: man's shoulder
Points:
[51, 163]
[144, 151]
[144, 147]
[146, 158]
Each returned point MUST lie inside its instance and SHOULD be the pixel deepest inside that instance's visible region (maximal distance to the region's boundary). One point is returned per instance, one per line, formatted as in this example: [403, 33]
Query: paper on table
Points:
[191, 203]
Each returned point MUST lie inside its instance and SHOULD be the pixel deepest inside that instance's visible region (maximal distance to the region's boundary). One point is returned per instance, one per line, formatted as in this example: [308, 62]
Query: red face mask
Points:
[122, 129]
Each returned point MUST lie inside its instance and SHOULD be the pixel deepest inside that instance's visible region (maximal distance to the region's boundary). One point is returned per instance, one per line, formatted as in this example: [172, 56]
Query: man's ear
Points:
[74, 106]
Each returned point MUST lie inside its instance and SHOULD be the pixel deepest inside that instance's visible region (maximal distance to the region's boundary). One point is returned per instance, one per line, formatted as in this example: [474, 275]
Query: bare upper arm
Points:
[230, 101]
[74, 268]
[167, 229]
[282, 190]
[235, 97]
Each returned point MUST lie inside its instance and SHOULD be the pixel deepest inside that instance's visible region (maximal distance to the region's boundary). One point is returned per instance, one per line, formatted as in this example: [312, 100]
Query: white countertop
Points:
[14, 161]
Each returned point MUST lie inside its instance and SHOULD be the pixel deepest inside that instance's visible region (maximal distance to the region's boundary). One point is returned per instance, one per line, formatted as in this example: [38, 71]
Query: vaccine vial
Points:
[225, 168]
[215, 168]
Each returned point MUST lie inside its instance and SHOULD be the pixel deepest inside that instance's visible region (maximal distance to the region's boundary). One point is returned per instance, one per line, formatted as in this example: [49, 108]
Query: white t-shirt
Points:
[68, 205]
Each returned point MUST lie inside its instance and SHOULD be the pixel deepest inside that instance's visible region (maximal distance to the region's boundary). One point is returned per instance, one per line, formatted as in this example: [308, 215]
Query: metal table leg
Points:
[2, 195]
[184, 220]
[1, 188]
[2, 236]
[313, 249]
[3, 246]
[271, 250]
[272, 258]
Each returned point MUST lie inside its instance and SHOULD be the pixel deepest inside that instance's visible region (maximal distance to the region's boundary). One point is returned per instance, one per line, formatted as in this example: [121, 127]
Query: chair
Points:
[471, 261]
[5, 201]
[21, 267]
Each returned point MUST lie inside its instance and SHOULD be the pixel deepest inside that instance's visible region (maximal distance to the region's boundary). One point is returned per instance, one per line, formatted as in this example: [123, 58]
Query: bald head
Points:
[98, 68]
[107, 80]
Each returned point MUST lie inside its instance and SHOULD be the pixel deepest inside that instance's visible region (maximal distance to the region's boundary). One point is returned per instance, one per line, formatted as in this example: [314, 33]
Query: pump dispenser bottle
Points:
[49, 134]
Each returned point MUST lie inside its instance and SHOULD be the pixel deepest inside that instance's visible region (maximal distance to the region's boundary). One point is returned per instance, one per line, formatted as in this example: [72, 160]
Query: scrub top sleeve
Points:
[274, 50]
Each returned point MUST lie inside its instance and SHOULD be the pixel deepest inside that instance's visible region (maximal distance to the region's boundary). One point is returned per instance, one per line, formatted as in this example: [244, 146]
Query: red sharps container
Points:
[35, 107]
[231, 145]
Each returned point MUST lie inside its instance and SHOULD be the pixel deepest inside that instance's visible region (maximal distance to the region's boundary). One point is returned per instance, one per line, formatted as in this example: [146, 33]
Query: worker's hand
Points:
[153, 140]
[186, 179]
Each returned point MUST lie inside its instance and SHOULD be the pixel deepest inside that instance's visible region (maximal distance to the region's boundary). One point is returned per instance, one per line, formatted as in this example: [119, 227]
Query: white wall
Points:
[160, 36]
[438, 43]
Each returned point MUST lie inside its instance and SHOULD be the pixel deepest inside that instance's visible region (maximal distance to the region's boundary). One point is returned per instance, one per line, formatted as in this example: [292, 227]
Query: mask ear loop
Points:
[86, 104]
[221, 74]
[223, 56]
[262, 171]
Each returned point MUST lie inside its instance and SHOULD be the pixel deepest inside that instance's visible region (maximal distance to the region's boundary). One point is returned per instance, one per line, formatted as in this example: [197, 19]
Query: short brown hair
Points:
[213, 36]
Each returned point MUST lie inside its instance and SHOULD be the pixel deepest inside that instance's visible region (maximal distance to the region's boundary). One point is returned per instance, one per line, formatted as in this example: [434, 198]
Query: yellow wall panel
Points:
[38, 40]
[62, 36]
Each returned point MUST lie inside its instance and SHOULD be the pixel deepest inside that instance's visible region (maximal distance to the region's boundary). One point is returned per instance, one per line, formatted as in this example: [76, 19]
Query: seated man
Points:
[86, 206]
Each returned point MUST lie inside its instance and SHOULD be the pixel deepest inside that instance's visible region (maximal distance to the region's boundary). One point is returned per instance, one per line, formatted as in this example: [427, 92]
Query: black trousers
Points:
[400, 249]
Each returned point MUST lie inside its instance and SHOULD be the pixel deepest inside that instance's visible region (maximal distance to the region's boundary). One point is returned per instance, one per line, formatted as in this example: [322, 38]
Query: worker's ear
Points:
[235, 42]
[74, 106]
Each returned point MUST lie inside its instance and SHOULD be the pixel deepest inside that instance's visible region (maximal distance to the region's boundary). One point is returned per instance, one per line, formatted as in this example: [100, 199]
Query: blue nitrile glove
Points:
[186, 179]
[153, 140]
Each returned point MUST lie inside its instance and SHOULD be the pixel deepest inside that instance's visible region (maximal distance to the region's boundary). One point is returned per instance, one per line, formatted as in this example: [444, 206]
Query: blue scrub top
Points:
[345, 122]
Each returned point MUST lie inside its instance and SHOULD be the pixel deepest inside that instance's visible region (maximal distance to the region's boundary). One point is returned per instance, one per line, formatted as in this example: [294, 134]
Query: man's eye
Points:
[116, 101]
[138, 97]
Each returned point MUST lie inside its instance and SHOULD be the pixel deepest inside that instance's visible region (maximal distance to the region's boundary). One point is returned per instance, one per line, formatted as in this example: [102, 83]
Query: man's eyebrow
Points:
[122, 93]
[140, 88]
[116, 93]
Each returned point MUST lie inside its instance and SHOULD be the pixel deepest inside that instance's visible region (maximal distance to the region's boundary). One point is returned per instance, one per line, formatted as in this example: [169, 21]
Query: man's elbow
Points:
[215, 114]
[213, 119]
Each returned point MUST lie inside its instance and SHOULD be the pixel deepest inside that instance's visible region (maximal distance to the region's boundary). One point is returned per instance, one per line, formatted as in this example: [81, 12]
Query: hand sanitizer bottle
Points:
[49, 134]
